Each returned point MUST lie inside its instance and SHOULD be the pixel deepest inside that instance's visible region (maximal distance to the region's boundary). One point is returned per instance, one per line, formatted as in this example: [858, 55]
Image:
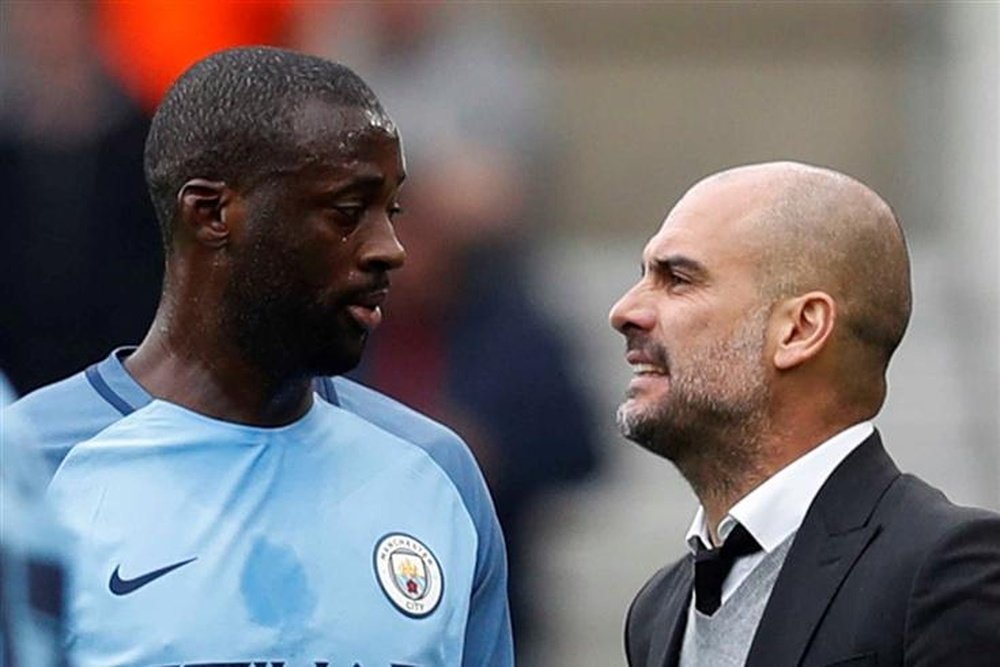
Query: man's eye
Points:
[352, 212]
[395, 210]
[676, 279]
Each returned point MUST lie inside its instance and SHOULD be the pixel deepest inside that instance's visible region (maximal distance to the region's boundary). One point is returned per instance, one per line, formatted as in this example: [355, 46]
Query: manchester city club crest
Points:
[409, 574]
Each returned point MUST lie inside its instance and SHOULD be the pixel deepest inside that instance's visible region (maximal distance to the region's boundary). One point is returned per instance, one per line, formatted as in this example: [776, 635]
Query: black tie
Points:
[711, 566]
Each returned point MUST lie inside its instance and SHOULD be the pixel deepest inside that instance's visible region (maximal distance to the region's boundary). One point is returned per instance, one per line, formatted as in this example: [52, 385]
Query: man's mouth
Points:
[647, 369]
[645, 363]
[366, 309]
[367, 318]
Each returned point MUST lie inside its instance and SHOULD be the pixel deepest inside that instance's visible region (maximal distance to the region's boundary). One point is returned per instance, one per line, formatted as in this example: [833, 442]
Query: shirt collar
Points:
[120, 381]
[134, 396]
[775, 509]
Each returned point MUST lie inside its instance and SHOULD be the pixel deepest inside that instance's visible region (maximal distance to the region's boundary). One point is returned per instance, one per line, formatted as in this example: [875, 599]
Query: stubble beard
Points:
[277, 324]
[711, 422]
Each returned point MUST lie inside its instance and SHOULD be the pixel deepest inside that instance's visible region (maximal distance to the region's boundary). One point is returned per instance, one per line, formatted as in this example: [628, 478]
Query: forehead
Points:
[336, 136]
[713, 223]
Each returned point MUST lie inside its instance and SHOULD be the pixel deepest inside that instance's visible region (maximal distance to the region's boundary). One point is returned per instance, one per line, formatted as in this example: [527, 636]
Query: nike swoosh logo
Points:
[121, 586]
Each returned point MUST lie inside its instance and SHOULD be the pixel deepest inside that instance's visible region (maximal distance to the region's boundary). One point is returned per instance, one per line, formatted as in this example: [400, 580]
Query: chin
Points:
[650, 427]
[337, 361]
[639, 407]
[332, 350]
[634, 422]
[338, 365]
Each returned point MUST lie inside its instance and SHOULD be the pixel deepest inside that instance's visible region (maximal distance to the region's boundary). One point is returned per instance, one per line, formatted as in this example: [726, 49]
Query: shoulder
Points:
[945, 561]
[932, 538]
[115, 458]
[668, 586]
[63, 414]
[915, 520]
[157, 419]
[954, 602]
[95, 454]
[867, 488]
[649, 599]
[446, 449]
[926, 513]
[71, 391]
[488, 630]
[940, 530]
[442, 444]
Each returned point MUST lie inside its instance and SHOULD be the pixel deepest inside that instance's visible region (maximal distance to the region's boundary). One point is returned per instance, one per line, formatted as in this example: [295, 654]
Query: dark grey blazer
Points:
[883, 571]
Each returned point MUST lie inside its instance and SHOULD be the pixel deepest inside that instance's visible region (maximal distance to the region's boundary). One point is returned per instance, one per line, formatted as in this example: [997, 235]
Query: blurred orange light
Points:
[149, 43]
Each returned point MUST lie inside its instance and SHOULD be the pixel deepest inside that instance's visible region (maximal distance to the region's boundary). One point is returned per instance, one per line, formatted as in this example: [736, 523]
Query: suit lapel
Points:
[665, 651]
[835, 532]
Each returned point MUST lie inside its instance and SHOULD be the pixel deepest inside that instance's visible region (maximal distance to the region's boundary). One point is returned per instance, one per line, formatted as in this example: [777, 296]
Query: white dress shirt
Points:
[776, 508]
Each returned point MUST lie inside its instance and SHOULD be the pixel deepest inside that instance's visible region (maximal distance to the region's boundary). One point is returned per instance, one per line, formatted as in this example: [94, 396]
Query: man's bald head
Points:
[770, 302]
[818, 229]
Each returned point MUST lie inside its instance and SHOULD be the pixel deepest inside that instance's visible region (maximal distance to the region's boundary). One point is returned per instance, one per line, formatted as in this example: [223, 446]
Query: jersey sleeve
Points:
[62, 415]
[488, 640]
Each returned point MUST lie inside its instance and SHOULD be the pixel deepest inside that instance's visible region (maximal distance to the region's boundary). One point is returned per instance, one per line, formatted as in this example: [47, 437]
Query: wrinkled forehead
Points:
[715, 219]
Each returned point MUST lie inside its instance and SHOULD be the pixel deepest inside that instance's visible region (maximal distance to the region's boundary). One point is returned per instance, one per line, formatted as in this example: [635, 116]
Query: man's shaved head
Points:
[771, 300]
[818, 229]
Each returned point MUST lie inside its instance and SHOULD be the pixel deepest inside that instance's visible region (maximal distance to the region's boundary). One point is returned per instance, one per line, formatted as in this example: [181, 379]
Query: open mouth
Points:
[366, 309]
[646, 362]
[367, 317]
[646, 377]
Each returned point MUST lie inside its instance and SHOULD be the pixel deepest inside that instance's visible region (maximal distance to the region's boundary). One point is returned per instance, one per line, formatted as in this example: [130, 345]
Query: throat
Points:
[722, 474]
[220, 387]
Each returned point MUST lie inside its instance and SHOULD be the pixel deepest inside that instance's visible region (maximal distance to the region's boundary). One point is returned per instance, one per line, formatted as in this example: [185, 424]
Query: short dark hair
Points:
[230, 118]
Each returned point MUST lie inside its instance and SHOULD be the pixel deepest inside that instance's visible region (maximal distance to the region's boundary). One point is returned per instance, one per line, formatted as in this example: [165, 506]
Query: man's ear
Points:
[200, 203]
[804, 328]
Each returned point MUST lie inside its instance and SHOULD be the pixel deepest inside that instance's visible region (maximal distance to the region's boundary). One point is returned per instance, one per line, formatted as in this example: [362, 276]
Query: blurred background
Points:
[545, 143]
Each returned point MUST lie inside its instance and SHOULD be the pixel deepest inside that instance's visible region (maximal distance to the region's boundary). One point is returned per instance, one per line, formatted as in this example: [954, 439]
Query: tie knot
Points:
[712, 566]
[739, 542]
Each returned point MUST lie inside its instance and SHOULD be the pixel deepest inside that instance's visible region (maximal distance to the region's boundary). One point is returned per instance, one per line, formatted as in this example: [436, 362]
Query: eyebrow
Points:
[673, 262]
[364, 182]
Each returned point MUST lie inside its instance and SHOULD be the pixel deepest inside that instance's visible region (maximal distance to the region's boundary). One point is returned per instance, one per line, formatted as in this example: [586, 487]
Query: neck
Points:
[723, 492]
[191, 367]
[722, 480]
[723, 462]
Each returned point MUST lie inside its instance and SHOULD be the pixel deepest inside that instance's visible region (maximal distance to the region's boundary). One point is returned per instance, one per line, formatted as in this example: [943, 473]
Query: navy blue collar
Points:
[112, 381]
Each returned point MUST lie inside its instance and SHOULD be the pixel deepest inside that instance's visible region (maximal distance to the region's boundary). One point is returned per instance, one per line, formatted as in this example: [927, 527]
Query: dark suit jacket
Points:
[884, 570]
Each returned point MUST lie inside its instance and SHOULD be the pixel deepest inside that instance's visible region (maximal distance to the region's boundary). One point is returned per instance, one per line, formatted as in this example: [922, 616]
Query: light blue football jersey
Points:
[360, 535]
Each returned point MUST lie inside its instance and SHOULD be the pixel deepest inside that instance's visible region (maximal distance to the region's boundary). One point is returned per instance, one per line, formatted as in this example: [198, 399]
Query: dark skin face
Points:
[272, 284]
[310, 272]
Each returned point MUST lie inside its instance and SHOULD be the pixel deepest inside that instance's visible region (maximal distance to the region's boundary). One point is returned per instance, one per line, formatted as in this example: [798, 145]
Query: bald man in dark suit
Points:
[771, 301]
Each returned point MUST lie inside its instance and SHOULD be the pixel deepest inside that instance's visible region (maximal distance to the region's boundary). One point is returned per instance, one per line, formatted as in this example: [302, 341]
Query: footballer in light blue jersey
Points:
[228, 508]
[82, 406]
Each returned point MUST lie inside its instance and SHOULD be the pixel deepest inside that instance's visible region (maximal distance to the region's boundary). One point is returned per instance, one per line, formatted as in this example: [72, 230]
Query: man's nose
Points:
[382, 247]
[631, 310]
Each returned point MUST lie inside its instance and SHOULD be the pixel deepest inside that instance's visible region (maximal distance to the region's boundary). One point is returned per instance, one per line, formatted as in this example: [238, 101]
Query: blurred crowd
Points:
[465, 341]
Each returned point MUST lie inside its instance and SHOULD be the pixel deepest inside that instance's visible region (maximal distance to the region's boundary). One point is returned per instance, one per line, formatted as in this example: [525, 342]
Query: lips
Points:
[646, 363]
[647, 369]
[366, 308]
